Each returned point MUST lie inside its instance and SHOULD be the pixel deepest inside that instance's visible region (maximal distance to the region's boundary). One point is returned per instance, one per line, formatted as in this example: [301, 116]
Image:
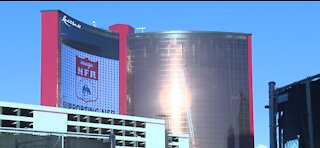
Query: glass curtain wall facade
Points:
[197, 80]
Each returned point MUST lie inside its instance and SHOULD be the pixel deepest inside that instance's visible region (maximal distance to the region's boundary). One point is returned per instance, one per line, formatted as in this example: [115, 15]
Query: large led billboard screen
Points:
[86, 65]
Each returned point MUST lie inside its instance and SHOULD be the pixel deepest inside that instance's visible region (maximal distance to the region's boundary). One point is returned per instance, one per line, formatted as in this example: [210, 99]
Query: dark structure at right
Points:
[294, 114]
[199, 81]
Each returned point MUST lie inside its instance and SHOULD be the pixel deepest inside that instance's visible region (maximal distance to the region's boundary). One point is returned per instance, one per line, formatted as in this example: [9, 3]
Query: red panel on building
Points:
[123, 31]
[49, 58]
[250, 89]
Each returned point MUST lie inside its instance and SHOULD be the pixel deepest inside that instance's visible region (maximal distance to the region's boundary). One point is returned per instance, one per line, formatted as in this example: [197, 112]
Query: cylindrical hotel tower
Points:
[201, 81]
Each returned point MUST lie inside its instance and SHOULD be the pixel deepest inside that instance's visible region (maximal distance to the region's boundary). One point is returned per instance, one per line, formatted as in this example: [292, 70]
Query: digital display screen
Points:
[89, 67]
[88, 82]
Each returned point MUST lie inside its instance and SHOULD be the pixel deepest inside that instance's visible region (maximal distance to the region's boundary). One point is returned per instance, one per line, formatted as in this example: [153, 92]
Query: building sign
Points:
[70, 22]
[86, 79]
[89, 67]
[88, 82]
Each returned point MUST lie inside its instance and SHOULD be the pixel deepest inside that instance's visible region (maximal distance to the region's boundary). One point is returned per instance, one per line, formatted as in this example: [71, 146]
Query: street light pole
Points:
[272, 115]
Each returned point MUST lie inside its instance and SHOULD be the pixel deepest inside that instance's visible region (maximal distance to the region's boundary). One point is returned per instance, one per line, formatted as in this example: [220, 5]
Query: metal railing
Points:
[28, 138]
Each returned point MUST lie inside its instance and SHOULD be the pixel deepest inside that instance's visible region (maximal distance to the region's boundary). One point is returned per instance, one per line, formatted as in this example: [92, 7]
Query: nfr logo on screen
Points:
[89, 67]
[87, 80]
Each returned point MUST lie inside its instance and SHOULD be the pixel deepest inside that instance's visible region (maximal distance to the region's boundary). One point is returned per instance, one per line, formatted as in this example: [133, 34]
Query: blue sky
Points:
[286, 44]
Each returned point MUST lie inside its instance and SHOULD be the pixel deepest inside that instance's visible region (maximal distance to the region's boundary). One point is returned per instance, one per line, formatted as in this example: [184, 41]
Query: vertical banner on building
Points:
[86, 79]
[88, 67]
